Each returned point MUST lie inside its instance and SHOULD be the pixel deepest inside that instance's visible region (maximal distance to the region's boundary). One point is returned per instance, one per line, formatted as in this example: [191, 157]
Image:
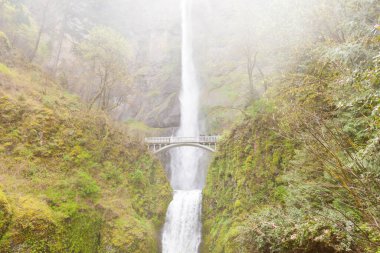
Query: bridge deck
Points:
[173, 139]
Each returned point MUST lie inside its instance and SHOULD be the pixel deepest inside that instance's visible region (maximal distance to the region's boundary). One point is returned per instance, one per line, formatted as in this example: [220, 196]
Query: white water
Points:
[183, 227]
[182, 230]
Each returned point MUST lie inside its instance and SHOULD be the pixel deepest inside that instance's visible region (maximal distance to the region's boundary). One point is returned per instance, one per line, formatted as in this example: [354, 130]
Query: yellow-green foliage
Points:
[124, 235]
[32, 227]
[5, 70]
[72, 178]
[300, 173]
[18, 23]
[5, 213]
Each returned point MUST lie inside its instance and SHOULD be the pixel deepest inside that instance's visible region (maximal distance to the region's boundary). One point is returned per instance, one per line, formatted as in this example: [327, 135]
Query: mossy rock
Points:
[129, 235]
[32, 229]
[82, 232]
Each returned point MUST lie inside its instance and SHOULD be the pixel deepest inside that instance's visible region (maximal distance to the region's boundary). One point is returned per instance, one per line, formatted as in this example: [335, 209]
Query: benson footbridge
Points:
[160, 144]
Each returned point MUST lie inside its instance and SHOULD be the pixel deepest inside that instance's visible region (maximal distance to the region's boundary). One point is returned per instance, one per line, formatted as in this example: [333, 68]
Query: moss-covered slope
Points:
[71, 180]
[301, 173]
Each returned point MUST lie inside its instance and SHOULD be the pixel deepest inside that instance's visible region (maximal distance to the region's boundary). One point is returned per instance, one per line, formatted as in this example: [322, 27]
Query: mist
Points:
[227, 34]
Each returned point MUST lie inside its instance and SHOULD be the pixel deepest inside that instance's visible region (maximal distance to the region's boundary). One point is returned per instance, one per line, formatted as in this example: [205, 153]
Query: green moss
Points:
[86, 185]
[137, 125]
[80, 178]
[130, 235]
[33, 227]
[83, 232]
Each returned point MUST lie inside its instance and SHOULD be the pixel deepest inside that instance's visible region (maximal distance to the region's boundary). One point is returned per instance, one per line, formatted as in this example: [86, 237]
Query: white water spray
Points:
[182, 230]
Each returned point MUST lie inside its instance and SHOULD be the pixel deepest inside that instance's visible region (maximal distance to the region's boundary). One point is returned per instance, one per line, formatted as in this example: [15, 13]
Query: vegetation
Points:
[72, 180]
[301, 172]
[107, 53]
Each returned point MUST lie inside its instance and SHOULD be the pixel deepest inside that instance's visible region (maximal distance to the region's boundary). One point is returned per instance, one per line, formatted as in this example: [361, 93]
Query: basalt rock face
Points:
[156, 80]
[157, 103]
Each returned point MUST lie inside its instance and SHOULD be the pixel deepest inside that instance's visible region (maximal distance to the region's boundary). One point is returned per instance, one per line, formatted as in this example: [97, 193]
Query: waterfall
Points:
[182, 230]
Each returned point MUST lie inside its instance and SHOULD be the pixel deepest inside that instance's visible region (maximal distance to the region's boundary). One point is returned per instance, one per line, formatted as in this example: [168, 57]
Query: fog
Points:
[239, 47]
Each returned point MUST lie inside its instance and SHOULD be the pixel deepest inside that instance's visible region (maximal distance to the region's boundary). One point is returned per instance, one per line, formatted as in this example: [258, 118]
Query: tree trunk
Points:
[40, 31]
[251, 64]
[58, 55]
[100, 95]
[61, 38]
[263, 77]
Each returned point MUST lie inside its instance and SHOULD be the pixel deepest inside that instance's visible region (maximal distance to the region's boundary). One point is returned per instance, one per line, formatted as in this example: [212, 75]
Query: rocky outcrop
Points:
[156, 103]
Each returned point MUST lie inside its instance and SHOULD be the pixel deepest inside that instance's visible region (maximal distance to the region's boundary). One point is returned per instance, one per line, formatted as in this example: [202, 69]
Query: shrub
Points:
[87, 186]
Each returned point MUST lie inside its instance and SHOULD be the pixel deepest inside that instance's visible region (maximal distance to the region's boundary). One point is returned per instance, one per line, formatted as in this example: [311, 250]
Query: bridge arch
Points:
[196, 145]
[160, 144]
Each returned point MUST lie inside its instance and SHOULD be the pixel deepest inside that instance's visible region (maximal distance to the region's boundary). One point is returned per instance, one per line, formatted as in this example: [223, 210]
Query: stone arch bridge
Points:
[160, 144]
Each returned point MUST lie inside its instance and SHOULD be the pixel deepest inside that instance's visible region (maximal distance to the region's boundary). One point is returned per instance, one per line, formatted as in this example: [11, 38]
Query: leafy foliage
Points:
[107, 54]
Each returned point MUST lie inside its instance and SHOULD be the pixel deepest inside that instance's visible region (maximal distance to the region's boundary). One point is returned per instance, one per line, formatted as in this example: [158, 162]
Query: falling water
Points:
[182, 230]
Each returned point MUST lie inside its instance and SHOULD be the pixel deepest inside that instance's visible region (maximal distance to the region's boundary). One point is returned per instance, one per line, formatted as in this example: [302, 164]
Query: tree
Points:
[58, 20]
[41, 29]
[106, 53]
[17, 23]
[74, 19]
[251, 60]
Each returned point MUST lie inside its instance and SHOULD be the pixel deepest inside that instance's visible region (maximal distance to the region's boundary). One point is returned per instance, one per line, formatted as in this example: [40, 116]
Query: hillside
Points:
[71, 180]
[301, 172]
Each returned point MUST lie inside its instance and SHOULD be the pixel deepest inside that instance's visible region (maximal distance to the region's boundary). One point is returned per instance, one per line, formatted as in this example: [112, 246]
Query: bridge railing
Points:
[158, 140]
[175, 139]
[209, 139]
